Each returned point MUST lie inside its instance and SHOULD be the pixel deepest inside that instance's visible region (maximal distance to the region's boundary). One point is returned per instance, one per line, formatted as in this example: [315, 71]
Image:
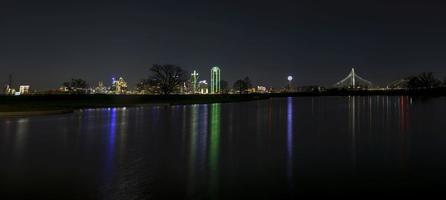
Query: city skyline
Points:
[316, 42]
[222, 99]
[285, 81]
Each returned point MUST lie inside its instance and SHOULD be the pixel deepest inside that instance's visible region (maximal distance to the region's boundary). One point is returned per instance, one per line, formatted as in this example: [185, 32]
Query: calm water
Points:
[277, 148]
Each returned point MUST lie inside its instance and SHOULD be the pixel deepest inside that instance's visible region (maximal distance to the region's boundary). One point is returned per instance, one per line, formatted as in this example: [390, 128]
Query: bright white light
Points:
[290, 78]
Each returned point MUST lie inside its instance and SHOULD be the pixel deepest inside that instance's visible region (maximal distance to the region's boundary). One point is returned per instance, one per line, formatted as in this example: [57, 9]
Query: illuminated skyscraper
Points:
[194, 80]
[215, 80]
[119, 86]
[101, 89]
[203, 87]
[24, 89]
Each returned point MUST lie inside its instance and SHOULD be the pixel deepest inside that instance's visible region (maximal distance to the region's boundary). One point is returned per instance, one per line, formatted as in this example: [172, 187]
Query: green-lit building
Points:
[215, 80]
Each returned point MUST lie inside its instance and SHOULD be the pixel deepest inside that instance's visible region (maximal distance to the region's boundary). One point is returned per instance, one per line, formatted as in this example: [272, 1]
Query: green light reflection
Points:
[214, 149]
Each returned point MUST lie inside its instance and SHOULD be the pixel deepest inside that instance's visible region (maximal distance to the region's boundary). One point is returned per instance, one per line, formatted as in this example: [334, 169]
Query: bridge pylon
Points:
[353, 80]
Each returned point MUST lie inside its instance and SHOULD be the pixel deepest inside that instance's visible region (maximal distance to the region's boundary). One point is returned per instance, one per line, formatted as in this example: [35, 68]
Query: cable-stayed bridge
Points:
[398, 84]
[353, 80]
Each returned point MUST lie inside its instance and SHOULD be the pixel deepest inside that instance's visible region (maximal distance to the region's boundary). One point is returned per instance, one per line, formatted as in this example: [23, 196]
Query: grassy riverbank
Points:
[72, 102]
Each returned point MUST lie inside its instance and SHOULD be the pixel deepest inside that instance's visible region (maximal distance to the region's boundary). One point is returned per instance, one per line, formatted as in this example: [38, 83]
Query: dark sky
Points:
[44, 43]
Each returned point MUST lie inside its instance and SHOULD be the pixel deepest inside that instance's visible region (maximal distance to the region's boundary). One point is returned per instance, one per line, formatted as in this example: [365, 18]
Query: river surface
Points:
[270, 149]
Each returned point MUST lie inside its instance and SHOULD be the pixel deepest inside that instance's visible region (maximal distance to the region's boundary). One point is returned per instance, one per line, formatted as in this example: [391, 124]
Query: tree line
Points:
[424, 80]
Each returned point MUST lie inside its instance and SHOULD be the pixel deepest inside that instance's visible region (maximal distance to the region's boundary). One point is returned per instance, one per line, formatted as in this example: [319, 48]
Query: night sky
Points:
[44, 43]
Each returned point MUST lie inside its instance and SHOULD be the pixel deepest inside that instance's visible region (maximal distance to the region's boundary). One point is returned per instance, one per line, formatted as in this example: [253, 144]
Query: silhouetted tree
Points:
[76, 86]
[240, 86]
[166, 79]
[248, 82]
[224, 86]
[423, 80]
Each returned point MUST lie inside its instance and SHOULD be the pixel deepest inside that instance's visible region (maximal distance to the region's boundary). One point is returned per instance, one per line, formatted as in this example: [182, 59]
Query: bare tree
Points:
[424, 80]
[167, 78]
[241, 86]
[76, 86]
[248, 82]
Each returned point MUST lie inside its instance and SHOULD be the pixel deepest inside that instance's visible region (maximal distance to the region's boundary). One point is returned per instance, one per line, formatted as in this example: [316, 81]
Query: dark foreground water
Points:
[278, 148]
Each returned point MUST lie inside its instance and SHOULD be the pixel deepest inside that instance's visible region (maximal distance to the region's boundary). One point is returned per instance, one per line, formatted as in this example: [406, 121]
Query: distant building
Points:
[203, 87]
[215, 80]
[194, 82]
[6, 90]
[100, 89]
[251, 90]
[24, 89]
[119, 86]
[261, 89]
[9, 90]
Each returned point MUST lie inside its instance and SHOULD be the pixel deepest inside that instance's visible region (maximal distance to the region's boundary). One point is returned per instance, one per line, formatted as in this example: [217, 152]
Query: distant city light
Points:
[119, 86]
[203, 87]
[290, 78]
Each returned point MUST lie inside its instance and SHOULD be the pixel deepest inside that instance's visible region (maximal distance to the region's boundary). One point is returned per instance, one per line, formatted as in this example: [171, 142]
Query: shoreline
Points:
[11, 106]
[32, 105]
[34, 113]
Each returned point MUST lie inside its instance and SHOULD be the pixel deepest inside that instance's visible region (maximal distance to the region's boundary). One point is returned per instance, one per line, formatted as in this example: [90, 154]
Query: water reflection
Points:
[214, 148]
[114, 148]
[251, 149]
[202, 138]
[403, 112]
[20, 138]
[123, 132]
[112, 133]
[379, 122]
[204, 150]
[193, 148]
[110, 140]
[197, 148]
[289, 133]
[403, 105]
